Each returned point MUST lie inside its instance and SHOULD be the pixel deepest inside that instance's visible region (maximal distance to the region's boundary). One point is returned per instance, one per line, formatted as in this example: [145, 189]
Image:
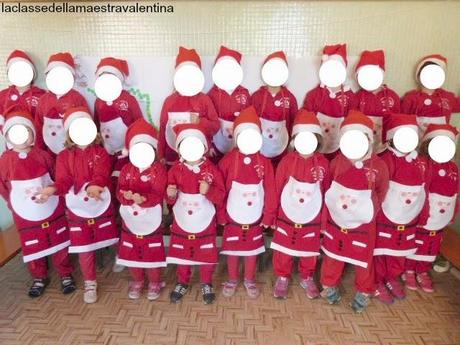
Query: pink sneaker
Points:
[135, 289]
[409, 278]
[425, 282]
[229, 288]
[311, 290]
[396, 288]
[251, 288]
[280, 290]
[383, 295]
[154, 290]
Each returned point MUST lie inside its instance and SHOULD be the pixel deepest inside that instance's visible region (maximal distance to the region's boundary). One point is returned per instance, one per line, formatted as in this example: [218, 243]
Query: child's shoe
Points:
[332, 295]
[208, 293]
[38, 287]
[360, 302]
[90, 294]
[67, 285]
[425, 282]
[154, 290]
[383, 295]
[229, 288]
[396, 288]
[251, 288]
[135, 289]
[280, 290]
[311, 290]
[409, 278]
[179, 291]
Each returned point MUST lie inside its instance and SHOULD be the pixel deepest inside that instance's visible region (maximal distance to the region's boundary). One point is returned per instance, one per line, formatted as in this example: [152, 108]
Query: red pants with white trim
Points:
[153, 274]
[61, 261]
[418, 266]
[233, 266]
[332, 271]
[184, 272]
[87, 262]
[388, 267]
[283, 264]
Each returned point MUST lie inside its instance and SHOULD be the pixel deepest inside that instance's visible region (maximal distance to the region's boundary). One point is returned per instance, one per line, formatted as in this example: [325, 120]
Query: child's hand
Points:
[204, 187]
[94, 192]
[127, 194]
[194, 118]
[43, 196]
[138, 199]
[171, 191]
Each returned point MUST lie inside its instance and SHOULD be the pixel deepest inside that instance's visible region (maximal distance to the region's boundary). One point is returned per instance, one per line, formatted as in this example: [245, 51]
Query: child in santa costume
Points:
[379, 102]
[398, 217]
[141, 191]
[301, 180]
[114, 117]
[228, 104]
[82, 175]
[51, 107]
[352, 201]
[42, 227]
[276, 107]
[26, 96]
[430, 106]
[439, 211]
[195, 189]
[181, 108]
[331, 104]
[251, 204]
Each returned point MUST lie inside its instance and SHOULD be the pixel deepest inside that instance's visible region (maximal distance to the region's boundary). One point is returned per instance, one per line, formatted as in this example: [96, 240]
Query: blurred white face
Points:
[191, 149]
[227, 73]
[370, 77]
[108, 87]
[82, 131]
[59, 80]
[188, 79]
[275, 72]
[142, 155]
[354, 144]
[441, 149]
[432, 77]
[20, 73]
[305, 143]
[332, 73]
[249, 141]
[19, 136]
[405, 139]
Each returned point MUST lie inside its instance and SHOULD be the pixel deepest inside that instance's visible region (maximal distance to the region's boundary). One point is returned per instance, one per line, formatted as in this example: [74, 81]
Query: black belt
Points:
[243, 226]
[398, 227]
[192, 236]
[140, 237]
[429, 233]
[345, 230]
[90, 221]
[297, 225]
[43, 225]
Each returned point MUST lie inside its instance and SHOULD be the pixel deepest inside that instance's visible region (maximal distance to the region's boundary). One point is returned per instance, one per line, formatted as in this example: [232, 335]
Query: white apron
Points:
[275, 137]
[349, 208]
[113, 135]
[193, 212]
[378, 140]
[223, 139]
[53, 134]
[301, 201]
[141, 220]
[85, 207]
[245, 202]
[23, 204]
[441, 212]
[175, 118]
[424, 121]
[331, 128]
[403, 203]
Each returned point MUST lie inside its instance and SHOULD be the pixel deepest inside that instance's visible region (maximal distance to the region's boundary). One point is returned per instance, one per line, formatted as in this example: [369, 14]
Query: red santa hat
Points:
[19, 55]
[186, 130]
[72, 114]
[61, 59]
[226, 52]
[140, 131]
[335, 52]
[393, 122]
[434, 58]
[434, 130]
[374, 58]
[356, 120]
[17, 115]
[187, 55]
[247, 118]
[276, 55]
[114, 66]
[306, 121]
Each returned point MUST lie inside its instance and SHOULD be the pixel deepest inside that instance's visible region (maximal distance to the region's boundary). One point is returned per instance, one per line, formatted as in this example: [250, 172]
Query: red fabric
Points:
[276, 55]
[249, 240]
[28, 100]
[119, 64]
[283, 265]
[388, 267]
[332, 271]
[184, 272]
[185, 55]
[320, 100]
[228, 106]
[418, 266]
[380, 103]
[19, 54]
[62, 57]
[88, 265]
[336, 49]
[133, 248]
[125, 106]
[376, 57]
[233, 266]
[224, 51]
[61, 261]
[153, 274]
[201, 104]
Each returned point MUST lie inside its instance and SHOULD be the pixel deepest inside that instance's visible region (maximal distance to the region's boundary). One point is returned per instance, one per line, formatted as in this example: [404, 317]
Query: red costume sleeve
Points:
[158, 186]
[270, 199]
[310, 101]
[209, 119]
[101, 169]
[172, 180]
[381, 181]
[408, 103]
[216, 192]
[4, 184]
[162, 135]
[123, 186]
[64, 178]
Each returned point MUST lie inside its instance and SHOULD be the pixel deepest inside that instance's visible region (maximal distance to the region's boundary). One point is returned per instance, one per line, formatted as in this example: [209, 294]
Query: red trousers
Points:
[283, 264]
[153, 274]
[88, 265]
[233, 265]
[332, 271]
[418, 266]
[61, 262]
[388, 267]
[184, 272]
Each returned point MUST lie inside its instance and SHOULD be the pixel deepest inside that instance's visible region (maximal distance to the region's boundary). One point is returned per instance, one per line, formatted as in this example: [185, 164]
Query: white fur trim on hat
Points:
[74, 116]
[439, 132]
[144, 138]
[188, 62]
[306, 128]
[391, 133]
[17, 120]
[54, 64]
[336, 57]
[245, 125]
[112, 70]
[191, 132]
[359, 127]
[17, 59]
[438, 62]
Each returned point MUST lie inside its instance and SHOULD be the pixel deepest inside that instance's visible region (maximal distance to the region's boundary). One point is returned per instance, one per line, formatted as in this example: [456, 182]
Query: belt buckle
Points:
[344, 230]
[245, 227]
[91, 221]
[401, 227]
[432, 233]
[191, 237]
[298, 226]
[140, 237]
[45, 225]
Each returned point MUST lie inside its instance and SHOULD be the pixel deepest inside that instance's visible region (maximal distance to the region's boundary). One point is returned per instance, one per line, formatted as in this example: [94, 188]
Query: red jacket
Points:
[380, 103]
[11, 96]
[228, 106]
[321, 100]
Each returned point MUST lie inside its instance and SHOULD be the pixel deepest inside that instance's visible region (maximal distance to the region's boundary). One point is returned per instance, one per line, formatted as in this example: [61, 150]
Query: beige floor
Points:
[56, 319]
